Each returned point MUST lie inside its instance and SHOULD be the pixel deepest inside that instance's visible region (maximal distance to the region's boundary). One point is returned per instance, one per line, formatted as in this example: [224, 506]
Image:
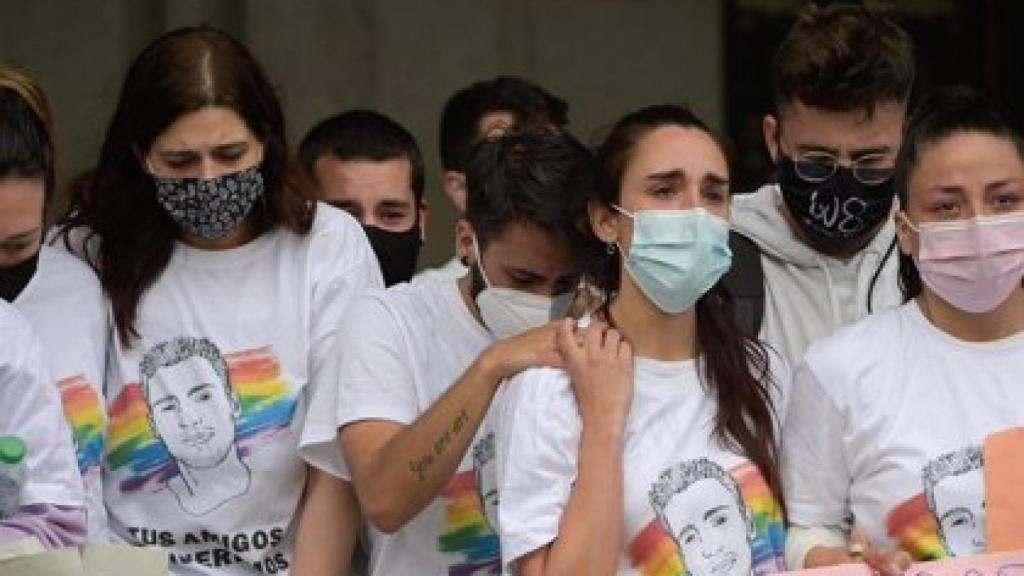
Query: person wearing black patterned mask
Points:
[201, 230]
[370, 166]
[822, 237]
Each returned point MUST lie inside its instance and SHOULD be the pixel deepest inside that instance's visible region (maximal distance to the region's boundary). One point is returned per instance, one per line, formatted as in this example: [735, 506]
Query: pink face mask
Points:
[973, 264]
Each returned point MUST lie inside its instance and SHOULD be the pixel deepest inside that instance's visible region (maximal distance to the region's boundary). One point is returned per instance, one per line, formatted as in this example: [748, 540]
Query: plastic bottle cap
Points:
[12, 449]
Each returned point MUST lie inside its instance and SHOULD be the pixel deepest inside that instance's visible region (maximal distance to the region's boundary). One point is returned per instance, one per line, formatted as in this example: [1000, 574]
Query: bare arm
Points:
[328, 527]
[398, 470]
[590, 532]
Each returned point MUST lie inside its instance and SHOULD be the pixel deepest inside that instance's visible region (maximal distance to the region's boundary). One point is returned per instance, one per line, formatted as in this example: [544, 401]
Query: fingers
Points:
[565, 337]
[593, 338]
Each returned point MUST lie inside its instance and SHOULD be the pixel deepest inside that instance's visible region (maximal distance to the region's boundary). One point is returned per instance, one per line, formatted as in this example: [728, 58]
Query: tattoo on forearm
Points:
[420, 465]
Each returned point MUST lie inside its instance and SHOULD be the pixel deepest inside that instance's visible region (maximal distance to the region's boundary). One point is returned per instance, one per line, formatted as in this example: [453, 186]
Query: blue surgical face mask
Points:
[676, 255]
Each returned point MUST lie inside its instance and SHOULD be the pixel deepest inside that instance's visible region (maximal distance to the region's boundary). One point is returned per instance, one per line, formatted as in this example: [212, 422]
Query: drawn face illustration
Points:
[960, 511]
[193, 412]
[487, 485]
[710, 530]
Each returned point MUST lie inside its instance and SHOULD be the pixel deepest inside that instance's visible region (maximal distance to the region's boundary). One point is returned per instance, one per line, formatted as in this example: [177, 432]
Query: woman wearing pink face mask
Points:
[882, 449]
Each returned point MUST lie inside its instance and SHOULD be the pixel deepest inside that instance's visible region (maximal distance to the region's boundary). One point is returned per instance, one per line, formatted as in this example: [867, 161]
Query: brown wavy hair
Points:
[734, 366]
[181, 72]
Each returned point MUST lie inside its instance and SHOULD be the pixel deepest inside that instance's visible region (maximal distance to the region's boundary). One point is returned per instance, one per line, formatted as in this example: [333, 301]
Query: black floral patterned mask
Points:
[210, 208]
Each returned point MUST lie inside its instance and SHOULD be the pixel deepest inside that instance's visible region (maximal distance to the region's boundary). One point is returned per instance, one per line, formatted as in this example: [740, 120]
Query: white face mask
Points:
[507, 312]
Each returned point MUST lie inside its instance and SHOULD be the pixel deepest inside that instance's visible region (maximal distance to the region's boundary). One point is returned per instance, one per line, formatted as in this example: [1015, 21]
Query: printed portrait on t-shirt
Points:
[192, 410]
[955, 491]
[699, 505]
[486, 478]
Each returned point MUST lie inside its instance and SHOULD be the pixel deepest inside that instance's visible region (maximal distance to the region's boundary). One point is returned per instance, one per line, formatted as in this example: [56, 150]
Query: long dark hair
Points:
[942, 113]
[735, 366]
[182, 71]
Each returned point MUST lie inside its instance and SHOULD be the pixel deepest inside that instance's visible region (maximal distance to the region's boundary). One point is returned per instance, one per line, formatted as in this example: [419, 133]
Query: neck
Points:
[653, 333]
[466, 289]
[241, 235]
[230, 467]
[1004, 321]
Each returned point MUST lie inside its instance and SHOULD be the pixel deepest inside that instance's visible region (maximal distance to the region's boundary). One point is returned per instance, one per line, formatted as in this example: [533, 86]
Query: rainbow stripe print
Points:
[84, 413]
[913, 525]
[267, 405]
[465, 530]
[653, 552]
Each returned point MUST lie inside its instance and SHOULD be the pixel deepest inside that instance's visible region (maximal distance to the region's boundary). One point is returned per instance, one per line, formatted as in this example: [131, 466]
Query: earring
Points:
[610, 248]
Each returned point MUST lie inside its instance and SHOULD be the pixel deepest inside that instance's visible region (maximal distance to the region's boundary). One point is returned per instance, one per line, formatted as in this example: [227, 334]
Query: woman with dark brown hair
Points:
[226, 285]
[655, 449]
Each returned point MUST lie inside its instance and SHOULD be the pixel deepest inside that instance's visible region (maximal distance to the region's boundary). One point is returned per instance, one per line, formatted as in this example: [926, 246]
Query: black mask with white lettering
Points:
[840, 210]
[14, 279]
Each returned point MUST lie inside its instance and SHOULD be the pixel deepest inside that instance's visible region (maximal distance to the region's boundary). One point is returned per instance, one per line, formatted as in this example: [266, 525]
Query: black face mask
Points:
[14, 278]
[839, 211]
[396, 251]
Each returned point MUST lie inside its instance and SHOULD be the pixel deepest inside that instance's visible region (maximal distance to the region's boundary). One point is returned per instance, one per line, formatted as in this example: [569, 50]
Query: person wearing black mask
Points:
[823, 236]
[370, 166]
[58, 295]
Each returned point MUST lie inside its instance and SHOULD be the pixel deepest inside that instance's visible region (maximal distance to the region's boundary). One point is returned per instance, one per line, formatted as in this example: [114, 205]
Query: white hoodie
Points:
[809, 295]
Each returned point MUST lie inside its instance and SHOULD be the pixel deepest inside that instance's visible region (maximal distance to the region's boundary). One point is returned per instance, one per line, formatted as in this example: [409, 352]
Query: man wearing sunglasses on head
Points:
[816, 251]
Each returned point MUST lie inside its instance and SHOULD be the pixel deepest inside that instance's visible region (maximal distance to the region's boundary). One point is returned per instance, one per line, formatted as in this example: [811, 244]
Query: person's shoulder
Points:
[331, 221]
[545, 387]
[13, 325]
[66, 268]
[842, 359]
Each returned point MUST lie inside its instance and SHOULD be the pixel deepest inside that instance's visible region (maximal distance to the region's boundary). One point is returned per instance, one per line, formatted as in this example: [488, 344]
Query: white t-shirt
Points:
[207, 406]
[730, 524]
[65, 305]
[399, 351]
[885, 429]
[31, 410]
[452, 269]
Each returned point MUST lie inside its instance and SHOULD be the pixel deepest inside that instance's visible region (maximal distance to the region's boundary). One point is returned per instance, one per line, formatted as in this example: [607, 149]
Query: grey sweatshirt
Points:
[809, 295]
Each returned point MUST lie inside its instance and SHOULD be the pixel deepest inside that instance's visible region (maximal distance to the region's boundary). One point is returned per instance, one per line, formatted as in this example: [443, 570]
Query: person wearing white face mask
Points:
[421, 362]
[654, 448]
[888, 415]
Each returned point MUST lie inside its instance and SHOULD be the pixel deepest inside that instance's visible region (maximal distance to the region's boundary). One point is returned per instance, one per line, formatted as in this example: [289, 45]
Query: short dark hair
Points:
[526, 101]
[26, 145]
[363, 135]
[540, 176]
[843, 57]
[941, 113]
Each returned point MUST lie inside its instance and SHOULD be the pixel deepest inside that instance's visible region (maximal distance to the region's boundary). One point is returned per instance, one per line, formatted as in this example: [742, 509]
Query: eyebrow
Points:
[530, 274]
[715, 510]
[21, 235]
[193, 151]
[394, 204]
[855, 153]
[713, 178]
[199, 388]
[667, 176]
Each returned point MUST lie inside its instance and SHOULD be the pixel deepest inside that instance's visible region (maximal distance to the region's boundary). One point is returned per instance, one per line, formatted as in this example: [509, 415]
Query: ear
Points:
[464, 241]
[236, 404]
[603, 221]
[424, 213]
[770, 130]
[455, 188]
[905, 235]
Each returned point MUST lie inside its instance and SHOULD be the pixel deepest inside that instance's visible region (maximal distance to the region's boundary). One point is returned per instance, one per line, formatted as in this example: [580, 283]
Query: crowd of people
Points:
[223, 349]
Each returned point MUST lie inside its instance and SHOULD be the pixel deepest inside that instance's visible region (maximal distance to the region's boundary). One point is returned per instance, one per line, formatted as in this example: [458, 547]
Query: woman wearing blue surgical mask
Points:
[655, 448]
[889, 417]
[226, 285]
